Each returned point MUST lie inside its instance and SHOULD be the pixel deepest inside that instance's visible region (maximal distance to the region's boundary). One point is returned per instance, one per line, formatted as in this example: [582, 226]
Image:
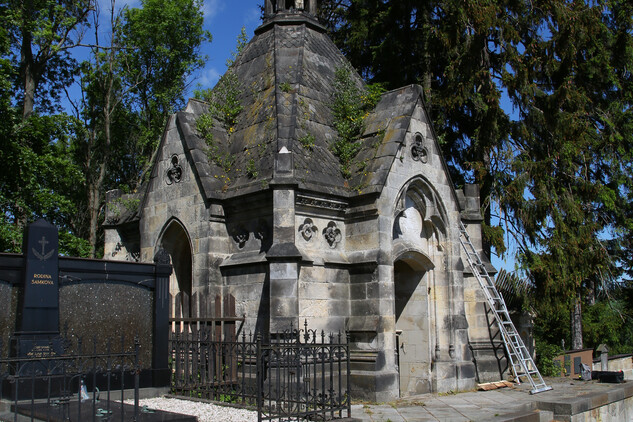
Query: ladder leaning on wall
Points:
[521, 362]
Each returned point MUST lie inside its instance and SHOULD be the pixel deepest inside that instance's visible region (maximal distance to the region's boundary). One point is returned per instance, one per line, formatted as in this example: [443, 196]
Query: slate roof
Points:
[286, 75]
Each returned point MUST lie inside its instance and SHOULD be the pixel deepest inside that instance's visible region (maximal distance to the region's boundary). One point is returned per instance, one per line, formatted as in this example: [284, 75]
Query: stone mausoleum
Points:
[261, 214]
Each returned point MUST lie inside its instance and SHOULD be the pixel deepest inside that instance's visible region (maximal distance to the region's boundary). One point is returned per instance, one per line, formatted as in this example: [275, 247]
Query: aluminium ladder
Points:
[521, 362]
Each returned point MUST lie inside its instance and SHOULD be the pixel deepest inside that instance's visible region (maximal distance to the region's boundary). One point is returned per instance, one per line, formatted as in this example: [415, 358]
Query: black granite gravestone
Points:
[40, 295]
[38, 321]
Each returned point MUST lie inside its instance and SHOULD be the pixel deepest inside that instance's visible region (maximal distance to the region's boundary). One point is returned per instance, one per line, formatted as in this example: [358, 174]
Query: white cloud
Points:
[210, 8]
[209, 77]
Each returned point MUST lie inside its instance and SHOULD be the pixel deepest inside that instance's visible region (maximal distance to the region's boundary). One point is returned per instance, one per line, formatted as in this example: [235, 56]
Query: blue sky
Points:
[225, 19]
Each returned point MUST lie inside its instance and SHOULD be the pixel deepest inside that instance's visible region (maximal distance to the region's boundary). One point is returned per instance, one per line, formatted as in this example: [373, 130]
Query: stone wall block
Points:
[365, 307]
[283, 288]
[283, 270]
[283, 306]
[358, 291]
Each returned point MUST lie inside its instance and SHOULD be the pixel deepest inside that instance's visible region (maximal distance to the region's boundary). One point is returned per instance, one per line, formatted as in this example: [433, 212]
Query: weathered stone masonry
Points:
[290, 239]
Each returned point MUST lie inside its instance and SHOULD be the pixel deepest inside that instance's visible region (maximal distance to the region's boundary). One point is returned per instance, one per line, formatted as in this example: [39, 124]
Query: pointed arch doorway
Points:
[175, 241]
[412, 272]
[419, 233]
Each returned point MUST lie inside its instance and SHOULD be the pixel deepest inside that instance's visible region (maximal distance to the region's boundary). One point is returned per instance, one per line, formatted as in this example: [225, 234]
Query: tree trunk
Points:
[94, 195]
[28, 70]
[576, 325]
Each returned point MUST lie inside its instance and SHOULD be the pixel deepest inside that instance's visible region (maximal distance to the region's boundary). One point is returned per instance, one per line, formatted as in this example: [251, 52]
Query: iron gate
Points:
[300, 374]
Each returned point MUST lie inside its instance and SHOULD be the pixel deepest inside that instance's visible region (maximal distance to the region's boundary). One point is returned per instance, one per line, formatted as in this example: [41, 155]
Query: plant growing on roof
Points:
[350, 106]
[251, 169]
[224, 107]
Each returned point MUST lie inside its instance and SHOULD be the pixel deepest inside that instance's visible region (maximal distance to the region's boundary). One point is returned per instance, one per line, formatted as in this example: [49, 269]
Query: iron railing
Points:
[58, 379]
[299, 374]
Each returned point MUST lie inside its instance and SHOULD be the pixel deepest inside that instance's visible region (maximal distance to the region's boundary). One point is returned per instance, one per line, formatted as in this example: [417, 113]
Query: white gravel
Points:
[205, 412]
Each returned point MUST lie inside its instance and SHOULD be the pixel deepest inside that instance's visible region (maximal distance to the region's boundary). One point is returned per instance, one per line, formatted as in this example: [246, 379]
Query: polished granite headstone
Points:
[38, 322]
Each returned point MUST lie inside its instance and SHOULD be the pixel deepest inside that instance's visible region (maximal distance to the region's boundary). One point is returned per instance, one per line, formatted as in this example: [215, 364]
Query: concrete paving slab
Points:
[515, 404]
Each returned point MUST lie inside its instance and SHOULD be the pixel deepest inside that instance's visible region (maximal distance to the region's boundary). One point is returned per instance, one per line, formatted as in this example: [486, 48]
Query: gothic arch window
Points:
[420, 217]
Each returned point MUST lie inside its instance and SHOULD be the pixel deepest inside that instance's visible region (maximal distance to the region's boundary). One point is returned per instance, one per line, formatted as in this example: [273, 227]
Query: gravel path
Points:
[205, 412]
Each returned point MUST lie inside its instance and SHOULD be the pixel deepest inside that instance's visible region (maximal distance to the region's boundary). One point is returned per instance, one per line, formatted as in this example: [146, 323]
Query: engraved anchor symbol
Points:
[44, 255]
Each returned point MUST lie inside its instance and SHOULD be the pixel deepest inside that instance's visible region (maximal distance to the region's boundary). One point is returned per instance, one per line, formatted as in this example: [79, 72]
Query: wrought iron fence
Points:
[209, 360]
[59, 379]
[300, 374]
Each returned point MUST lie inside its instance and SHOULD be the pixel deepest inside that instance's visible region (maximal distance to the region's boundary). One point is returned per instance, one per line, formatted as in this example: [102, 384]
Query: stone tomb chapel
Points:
[279, 230]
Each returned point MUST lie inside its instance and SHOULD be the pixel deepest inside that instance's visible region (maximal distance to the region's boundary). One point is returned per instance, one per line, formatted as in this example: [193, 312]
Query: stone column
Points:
[160, 351]
[386, 371]
[311, 7]
[283, 256]
[268, 8]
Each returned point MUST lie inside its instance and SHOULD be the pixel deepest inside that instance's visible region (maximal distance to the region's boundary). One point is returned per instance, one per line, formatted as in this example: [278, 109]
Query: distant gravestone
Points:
[38, 322]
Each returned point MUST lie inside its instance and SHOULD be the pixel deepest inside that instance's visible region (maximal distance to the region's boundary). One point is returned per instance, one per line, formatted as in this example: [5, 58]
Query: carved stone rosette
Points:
[418, 150]
[241, 236]
[174, 173]
[307, 229]
[332, 234]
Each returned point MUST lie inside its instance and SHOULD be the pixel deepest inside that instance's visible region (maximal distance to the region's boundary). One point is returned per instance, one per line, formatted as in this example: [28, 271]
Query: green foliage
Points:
[204, 125]
[307, 141]
[242, 41]
[607, 322]
[285, 87]
[41, 34]
[224, 160]
[225, 107]
[224, 99]
[557, 168]
[251, 169]
[128, 91]
[160, 47]
[127, 205]
[350, 106]
[46, 187]
[545, 354]
[225, 104]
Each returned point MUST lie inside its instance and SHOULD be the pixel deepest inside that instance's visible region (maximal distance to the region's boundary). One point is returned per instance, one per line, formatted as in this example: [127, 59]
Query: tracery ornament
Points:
[308, 229]
[174, 173]
[332, 234]
[320, 203]
[418, 150]
[241, 236]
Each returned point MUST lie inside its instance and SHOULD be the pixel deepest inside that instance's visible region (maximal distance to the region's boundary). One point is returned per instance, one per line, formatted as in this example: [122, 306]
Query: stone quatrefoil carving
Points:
[418, 150]
[174, 173]
[308, 229]
[332, 234]
[241, 236]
